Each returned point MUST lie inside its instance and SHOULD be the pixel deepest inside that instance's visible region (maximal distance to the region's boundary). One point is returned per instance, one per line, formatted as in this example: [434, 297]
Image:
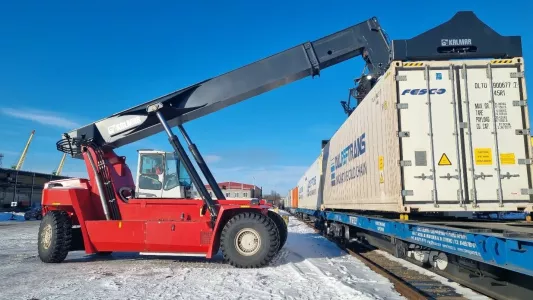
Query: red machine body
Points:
[177, 226]
[104, 205]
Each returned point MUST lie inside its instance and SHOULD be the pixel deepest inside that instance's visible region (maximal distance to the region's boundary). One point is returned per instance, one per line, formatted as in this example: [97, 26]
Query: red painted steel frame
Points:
[146, 225]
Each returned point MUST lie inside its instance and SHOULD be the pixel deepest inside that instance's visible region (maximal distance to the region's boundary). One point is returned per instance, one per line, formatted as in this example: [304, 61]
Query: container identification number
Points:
[483, 112]
[498, 87]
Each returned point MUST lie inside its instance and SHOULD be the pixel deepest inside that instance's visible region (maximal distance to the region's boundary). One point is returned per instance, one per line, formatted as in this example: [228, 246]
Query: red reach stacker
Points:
[105, 213]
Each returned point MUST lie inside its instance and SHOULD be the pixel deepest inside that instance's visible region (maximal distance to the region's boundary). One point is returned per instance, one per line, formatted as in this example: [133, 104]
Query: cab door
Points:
[150, 175]
[176, 179]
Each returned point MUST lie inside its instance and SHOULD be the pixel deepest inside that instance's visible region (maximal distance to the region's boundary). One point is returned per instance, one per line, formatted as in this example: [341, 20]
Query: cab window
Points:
[175, 174]
[152, 166]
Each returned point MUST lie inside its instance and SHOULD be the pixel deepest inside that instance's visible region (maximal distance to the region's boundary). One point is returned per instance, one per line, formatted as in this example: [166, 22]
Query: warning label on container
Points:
[444, 160]
[507, 158]
[380, 163]
[483, 156]
[381, 179]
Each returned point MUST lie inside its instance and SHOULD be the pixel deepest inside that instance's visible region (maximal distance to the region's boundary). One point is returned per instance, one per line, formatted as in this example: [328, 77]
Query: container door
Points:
[498, 144]
[428, 131]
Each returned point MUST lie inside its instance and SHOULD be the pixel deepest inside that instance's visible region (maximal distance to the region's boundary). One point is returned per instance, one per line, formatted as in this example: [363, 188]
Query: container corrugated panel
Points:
[309, 186]
[406, 149]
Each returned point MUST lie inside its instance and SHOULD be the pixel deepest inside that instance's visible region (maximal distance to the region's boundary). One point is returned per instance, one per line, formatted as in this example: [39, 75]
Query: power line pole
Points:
[1, 158]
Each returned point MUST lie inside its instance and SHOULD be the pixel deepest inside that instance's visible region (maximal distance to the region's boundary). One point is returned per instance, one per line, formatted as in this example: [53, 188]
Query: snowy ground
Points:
[308, 267]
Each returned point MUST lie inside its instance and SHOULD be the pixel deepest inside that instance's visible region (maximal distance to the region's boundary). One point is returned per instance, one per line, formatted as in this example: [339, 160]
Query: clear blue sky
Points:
[64, 64]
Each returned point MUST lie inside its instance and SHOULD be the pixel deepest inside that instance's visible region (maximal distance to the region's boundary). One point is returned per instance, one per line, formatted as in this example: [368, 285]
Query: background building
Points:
[233, 189]
[22, 187]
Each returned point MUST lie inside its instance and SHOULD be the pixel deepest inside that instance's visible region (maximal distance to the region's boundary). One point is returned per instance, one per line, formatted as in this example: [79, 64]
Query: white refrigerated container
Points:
[463, 146]
[308, 186]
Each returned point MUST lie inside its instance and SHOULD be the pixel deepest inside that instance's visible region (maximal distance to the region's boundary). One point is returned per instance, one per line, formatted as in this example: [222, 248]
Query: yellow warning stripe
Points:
[413, 64]
[501, 61]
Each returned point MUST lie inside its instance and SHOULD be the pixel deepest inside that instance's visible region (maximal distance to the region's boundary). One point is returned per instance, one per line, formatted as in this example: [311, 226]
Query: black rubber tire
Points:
[282, 227]
[268, 233]
[61, 237]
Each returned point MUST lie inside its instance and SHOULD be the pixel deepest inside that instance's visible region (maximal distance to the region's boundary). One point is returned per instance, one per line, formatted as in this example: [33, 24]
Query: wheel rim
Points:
[247, 242]
[46, 236]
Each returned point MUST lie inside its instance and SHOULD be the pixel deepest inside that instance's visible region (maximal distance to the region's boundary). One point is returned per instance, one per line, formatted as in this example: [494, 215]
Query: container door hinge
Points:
[402, 105]
[460, 196]
[526, 191]
[508, 175]
[424, 177]
[525, 161]
[400, 78]
[522, 131]
[519, 102]
[405, 163]
[407, 193]
[403, 134]
[482, 176]
[517, 74]
[448, 176]
[463, 125]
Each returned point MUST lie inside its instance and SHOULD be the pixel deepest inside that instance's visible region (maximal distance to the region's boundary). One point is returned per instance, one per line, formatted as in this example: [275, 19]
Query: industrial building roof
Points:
[226, 185]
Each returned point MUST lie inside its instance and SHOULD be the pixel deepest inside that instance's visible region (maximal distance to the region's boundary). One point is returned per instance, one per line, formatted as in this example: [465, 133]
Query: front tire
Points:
[282, 227]
[249, 240]
[55, 236]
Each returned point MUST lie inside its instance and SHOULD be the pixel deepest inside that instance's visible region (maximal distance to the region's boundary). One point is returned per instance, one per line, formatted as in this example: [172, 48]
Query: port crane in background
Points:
[22, 158]
[61, 164]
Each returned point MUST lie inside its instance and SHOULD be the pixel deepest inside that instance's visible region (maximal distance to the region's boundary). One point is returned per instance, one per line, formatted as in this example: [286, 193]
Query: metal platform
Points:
[506, 245]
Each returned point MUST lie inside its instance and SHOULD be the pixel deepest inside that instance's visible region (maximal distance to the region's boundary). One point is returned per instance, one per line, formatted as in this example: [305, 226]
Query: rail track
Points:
[409, 283]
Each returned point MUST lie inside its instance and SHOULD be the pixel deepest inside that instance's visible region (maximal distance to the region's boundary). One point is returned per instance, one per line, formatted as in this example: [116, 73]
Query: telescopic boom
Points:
[203, 98]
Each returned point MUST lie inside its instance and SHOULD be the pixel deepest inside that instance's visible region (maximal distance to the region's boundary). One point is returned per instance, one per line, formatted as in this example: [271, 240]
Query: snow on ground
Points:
[308, 267]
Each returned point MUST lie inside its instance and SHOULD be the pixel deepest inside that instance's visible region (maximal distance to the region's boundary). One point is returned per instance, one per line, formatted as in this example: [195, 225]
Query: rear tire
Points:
[55, 236]
[282, 227]
[249, 240]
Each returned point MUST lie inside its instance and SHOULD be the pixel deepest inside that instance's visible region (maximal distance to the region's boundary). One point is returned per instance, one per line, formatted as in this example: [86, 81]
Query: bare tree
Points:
[274, 196]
